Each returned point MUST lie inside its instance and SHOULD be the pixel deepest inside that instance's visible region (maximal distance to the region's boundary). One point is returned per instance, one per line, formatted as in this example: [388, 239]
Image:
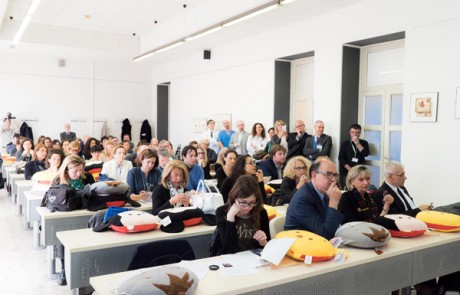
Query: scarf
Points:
[77, 184]
[173, 191]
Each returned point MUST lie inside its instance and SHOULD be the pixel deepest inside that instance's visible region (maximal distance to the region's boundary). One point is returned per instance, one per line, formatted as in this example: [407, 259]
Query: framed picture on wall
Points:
[219, 117]
[424, 107]
[199, 125]
[457, 104]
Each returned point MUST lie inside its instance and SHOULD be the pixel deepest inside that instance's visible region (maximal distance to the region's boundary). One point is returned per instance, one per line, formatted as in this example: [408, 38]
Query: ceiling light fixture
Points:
[216, 27]
[25, 22]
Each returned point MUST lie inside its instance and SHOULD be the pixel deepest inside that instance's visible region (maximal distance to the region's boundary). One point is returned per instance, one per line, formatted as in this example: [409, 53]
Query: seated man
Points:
[395, 177]
[314, 206]
[274, 165]
[196, 173]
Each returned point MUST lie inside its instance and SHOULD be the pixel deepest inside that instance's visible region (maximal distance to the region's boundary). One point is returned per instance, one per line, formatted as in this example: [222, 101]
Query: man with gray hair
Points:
[239, 139]
[395, 177]
[320, 144]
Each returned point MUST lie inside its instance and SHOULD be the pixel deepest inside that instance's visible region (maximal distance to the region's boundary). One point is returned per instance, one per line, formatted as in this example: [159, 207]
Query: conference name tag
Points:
[354, 160]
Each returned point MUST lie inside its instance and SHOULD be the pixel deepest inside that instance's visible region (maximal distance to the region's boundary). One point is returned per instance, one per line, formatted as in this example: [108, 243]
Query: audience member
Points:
[196, 173]
[280, 136]
[223, 138]
[67, 134]
[242, 224]
[118, 167]
[314, 206]
[239, 139]
[211, 135]
[257, 141]
[296, 140]
[171, 191]
[319, 144]
[274, 165]
[295, 176]
[38, 161]
[210, 153]
[143, 179]
[222, 172]
[352, 152]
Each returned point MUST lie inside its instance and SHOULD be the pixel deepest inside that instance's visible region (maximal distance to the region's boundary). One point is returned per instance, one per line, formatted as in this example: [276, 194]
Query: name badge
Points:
[320, 147]
[354, 160]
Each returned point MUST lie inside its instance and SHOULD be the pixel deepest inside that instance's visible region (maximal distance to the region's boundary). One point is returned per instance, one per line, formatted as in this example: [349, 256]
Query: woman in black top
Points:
[38, 162]
[242, 224]
[356, 204]
[222, 172]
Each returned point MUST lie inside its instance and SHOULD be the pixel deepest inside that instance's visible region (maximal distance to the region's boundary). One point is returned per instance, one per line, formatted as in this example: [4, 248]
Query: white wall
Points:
[84, 91]
[432, 64]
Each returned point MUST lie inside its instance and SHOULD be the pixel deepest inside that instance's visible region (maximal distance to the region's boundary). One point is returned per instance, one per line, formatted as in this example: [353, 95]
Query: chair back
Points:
[161, 253]
[276, 225]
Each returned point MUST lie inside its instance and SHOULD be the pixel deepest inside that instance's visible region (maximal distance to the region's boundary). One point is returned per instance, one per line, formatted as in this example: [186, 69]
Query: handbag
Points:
[207, 198]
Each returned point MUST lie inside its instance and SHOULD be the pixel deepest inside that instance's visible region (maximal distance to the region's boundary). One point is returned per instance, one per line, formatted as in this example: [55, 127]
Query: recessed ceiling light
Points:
[88, 16]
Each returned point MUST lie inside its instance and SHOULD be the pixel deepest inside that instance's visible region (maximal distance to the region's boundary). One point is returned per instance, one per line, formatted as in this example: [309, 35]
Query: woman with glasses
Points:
[356, 204]
[242, 224]
[295, 175]
[244, 165]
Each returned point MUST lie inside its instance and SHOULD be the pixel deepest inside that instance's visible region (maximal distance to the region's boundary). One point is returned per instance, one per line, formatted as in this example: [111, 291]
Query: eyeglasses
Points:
[246, 205]
[328, 174]
[200, 153]
[300, 168]
[251, 163]
[400, 175]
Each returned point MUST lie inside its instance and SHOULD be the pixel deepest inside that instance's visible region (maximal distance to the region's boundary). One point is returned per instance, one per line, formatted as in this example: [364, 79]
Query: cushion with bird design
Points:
[363, 234]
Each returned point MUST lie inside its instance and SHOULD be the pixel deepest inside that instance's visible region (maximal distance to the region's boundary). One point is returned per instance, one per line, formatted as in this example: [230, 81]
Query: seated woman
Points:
[38, 161]
[171, 192]
[87, 147]
[107, 154]
[72, 174]
[26, 153]
[202, 160]
[356, 204]
[295, 175]
[57, 144]
[242, 224]
[257, 140]
[210, 153]
[52, 163]
[65, 146]
[244, 165]
[222, 172]
[74, 148]
[143, 179]
[118, 167]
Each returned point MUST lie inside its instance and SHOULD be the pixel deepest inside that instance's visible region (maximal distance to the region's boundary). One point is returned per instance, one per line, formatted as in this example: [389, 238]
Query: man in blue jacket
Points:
[195, 171]
[314, 206]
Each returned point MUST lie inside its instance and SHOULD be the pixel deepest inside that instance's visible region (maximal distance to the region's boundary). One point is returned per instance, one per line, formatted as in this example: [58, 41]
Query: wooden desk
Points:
[22, 186]
[88, 253]
[14, 178]
[404, 262]
[52, 222]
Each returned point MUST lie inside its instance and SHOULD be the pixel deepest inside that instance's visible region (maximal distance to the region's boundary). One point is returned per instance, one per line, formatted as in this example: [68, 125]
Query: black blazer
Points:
[398, 206]
[295, 147]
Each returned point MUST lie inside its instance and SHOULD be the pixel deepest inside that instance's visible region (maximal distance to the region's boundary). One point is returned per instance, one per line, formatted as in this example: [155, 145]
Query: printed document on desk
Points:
[242, 263]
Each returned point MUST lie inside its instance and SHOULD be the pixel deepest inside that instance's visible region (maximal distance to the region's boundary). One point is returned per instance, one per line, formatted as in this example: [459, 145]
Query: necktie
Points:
[406, 203]
[315, 142]
[211, 134]
[326, 201]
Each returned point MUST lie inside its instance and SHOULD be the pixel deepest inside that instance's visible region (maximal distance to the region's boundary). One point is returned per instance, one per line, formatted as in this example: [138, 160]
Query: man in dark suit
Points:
[352, 152]
[319, 144]
[314, 206]
[274, 165]
[395, 177]
[67, 135]
[296, 140]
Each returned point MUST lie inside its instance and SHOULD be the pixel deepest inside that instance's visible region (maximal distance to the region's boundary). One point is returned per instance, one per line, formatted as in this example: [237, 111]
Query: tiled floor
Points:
[23, 270]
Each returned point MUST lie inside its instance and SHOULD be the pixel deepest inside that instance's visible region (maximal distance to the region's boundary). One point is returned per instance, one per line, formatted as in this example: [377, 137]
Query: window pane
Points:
[373, 111]
[375, 178]
[385, 67]
[395, 145]
[375, 139]
[396, 109]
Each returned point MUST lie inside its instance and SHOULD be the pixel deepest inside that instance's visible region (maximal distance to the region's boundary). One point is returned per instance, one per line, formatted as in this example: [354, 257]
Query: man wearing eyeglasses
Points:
[314, 206]
[395, 177]
[296, 140]
[352, 152]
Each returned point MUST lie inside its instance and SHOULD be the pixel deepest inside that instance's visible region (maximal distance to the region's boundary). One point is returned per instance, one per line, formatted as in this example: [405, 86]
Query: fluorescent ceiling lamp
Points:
[250, 15]
[203, 33]
[25, 22]
[217, 27]
[172, 45]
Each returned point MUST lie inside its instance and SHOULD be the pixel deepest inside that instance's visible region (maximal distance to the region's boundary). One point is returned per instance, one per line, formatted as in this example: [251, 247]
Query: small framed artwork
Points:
[457, 105]
[424, 107]
[199, 125]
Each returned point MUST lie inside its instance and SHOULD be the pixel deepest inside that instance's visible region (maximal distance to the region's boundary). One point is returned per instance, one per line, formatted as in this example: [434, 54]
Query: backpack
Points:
[62, 197]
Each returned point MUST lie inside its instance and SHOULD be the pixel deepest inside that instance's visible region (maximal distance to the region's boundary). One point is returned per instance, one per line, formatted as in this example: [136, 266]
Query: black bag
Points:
[62, 198]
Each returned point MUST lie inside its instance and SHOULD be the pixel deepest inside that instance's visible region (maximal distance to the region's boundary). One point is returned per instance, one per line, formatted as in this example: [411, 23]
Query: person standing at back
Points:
[223, 138]
[352, 152]
[67, 134]
[319, 144]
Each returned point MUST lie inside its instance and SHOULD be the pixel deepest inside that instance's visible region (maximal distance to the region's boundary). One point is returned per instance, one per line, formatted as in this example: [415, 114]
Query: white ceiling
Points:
[126, 17]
